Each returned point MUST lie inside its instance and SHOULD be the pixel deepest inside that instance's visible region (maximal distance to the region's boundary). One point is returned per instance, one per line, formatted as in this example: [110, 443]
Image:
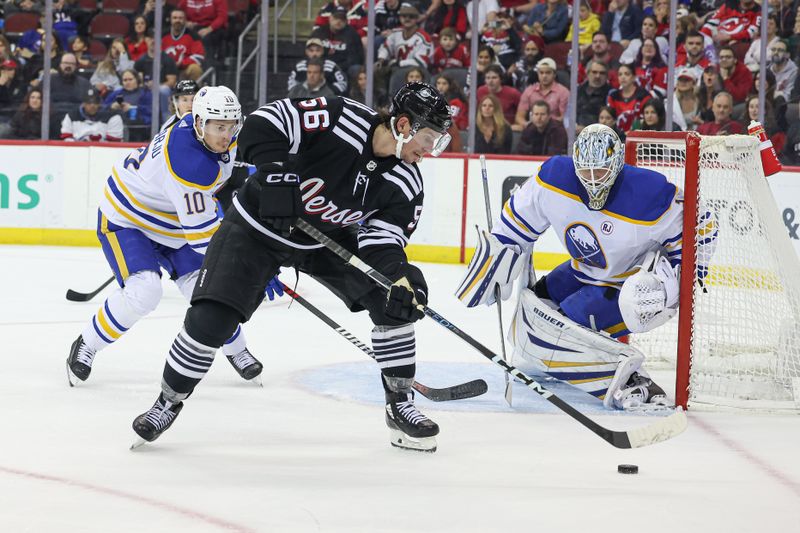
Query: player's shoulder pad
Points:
[188, 161]
[558, 175]
[641, 195]
[407, 178]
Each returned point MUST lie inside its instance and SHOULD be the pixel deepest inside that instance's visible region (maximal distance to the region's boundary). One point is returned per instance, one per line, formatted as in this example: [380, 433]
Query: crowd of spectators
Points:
[523, 65]
[101, 68]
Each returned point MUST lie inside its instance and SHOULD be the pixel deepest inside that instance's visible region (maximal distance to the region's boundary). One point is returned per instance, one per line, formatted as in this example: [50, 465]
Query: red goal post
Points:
[736, 340]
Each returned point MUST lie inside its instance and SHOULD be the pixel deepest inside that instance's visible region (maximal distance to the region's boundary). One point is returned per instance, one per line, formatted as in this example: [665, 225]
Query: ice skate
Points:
[640, 393]
[79, 362]
[247, 366]
[409, 429]
[150, 425]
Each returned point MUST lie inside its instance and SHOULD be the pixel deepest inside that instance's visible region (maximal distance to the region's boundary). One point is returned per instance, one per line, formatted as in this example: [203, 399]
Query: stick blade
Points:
[463, 391]
[664, 429]
[75, 296]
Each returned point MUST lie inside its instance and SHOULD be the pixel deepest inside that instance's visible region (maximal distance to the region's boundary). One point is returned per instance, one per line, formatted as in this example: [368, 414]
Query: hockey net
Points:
[736, 339]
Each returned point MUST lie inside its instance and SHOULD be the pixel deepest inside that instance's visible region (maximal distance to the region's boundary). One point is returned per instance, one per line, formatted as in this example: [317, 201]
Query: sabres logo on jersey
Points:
[583, 245]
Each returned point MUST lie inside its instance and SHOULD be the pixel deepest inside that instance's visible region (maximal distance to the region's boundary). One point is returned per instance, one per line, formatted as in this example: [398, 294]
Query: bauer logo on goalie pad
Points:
[583, 245]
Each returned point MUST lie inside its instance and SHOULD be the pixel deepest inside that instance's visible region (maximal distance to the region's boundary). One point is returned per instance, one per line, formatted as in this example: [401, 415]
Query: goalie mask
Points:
[428, 113]
[598, 156]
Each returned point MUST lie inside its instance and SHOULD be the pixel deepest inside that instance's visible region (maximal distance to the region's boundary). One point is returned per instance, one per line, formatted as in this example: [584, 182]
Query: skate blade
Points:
[398, 439]
[138, 444]
[72, 379]
[257, 381]
[646, 408]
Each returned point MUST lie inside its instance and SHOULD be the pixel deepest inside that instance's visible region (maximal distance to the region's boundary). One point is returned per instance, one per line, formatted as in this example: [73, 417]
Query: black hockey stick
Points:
[659, 431]
[469, 389]
[75, 296]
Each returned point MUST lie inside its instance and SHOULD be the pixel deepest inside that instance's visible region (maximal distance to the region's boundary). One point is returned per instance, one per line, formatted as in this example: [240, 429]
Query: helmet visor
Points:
[433, 142]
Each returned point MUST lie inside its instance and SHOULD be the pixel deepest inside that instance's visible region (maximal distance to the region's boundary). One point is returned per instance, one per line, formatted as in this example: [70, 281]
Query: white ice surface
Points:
[310, 452]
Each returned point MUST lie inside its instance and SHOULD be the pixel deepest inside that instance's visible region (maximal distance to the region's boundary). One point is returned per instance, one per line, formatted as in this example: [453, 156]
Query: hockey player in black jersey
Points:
[351, 173]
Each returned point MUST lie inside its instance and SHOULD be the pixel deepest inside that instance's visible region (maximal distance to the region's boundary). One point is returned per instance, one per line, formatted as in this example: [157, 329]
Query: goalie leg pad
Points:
[567, 351]
[493, 265]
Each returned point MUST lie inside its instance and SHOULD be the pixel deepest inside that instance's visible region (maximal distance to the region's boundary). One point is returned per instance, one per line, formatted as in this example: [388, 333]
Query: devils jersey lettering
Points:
[166, 189]
[643, 212]
[343, 183]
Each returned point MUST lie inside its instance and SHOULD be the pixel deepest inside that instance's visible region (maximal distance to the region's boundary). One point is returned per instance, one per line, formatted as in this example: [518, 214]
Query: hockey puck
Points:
[627, 469]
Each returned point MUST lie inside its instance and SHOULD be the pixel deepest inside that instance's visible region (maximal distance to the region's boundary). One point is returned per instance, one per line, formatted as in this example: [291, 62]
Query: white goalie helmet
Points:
[598, 156]
[215, 103]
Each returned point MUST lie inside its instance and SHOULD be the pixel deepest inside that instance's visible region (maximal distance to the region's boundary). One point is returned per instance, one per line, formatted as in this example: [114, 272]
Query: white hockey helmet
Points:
[598, 156]
[215, 103]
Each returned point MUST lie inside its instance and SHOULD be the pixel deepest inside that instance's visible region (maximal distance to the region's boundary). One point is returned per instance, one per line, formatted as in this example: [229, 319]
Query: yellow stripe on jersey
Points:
[111, 332]
[616, 328]
[175, 235]
[170, 216]
[122, 266]
[589, 380]
[571, 364]
[604, 211]
[627, 274]
[510, 214]
[181, 180]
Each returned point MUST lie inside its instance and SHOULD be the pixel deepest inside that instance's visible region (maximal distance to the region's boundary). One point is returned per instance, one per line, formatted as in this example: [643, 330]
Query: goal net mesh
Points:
[745, 338]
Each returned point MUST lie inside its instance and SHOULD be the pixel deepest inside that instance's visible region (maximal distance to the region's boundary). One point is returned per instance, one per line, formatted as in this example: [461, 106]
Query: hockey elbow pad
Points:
[494, 264]
[280, 202]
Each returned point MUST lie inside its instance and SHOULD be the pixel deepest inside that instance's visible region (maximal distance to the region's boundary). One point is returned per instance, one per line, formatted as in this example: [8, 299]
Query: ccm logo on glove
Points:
[282, 178]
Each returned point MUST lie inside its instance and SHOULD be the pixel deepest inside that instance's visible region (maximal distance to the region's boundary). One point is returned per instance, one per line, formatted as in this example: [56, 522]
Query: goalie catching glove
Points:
[649, 298]
[408, 295]
[494, 264]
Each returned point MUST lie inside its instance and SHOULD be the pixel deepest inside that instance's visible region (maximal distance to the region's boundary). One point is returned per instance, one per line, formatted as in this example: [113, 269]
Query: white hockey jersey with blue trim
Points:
[644, 212]
[166, 189]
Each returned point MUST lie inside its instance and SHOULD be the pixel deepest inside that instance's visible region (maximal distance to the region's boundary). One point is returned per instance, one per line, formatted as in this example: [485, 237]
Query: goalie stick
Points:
[75, 296]
[497, 297]
[469, 389]
[661, 430]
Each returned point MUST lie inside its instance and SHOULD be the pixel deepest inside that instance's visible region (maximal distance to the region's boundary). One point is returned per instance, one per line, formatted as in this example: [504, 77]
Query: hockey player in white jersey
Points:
[622, 227]
[158, 211]
[182, 100]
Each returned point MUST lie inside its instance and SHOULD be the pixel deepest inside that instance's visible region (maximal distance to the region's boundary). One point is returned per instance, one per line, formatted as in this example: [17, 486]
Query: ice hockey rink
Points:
[309, 451]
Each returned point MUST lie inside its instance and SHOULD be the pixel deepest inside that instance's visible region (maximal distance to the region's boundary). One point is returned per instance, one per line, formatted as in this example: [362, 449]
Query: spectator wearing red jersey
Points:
[547, 89]
[722, 124]
[134, 42]
[736, 78]
[627, 101]
[209, 18]
[183, 46]
[650, 69]
[735, 20]
[455, 99]
[450, 14]
[507, 96]
[355, 13]
[450, 53]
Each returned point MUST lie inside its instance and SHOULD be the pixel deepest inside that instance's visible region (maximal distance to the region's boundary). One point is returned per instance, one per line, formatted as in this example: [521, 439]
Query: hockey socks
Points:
[394, 347]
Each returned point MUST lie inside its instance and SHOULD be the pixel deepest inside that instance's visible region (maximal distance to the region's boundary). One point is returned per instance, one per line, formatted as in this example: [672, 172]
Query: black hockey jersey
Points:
[327, 143]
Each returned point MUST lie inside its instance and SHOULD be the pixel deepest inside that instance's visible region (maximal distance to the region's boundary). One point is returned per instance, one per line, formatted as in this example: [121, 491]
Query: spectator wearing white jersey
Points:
[407, 46]
[88, 123]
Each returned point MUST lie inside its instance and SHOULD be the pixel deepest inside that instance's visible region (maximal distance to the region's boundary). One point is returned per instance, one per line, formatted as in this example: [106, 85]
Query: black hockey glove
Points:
[407, 295]
[280, 203]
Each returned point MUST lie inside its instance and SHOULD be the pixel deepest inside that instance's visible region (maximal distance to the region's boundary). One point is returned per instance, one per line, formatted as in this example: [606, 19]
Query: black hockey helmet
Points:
[186, 87]
[424, 105]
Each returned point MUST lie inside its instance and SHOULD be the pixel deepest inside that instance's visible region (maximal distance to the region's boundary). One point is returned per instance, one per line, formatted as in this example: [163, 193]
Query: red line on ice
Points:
[225, 525]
